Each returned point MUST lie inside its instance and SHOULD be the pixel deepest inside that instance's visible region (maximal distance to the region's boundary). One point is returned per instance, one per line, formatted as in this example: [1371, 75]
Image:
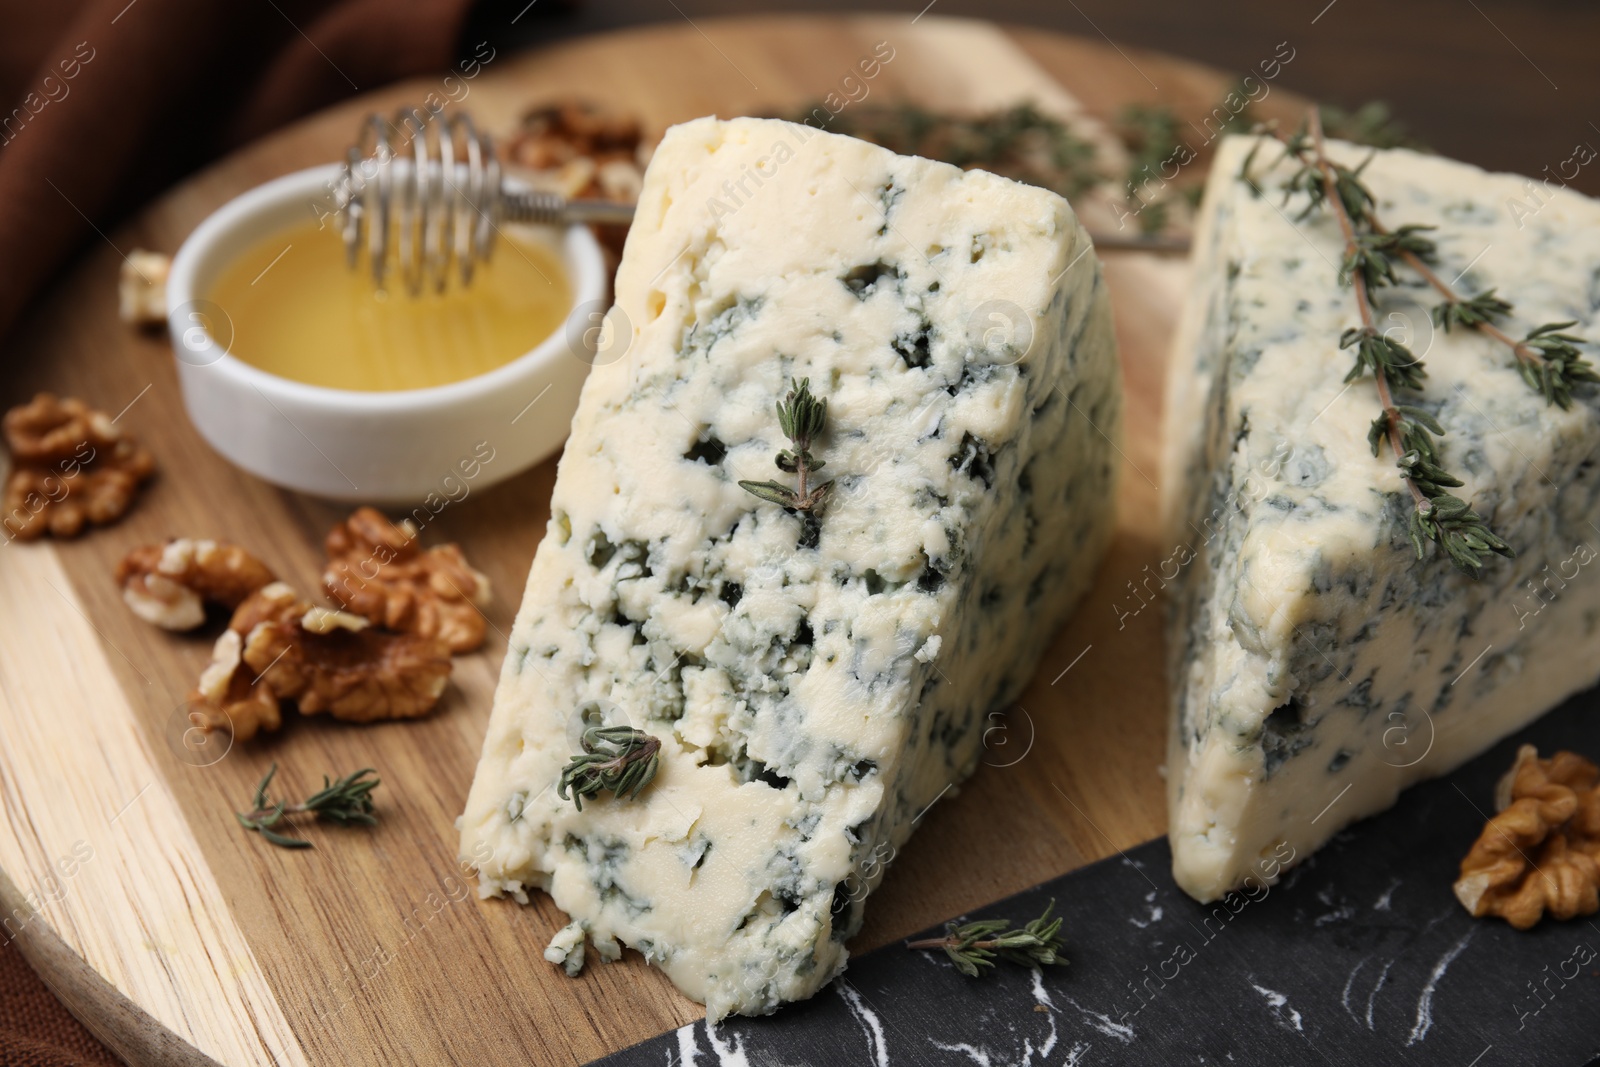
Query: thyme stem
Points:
[346, 801]
[1409, 429]
[801, 417]
[974, 947]
[1358, 281]
[1416, 263]
[1549, 360]
[618, 758]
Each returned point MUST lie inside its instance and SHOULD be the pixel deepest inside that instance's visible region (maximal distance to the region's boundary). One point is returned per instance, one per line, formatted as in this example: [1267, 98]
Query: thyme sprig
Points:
[1558, 366]
[1371, 124]
[1548, 360]
[1411, 431]
[1550, 369]
[974, 947]
[346, 801]
[1150, 133]
[802, 418]
[1021, 142]
[618, 758]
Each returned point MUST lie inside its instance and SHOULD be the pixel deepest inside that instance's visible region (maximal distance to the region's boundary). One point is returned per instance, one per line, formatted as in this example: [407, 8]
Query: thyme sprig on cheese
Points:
[346, 801]
[974, 947]
[802, 417]
[1547, 358]
[1411, 431]
[618, 758]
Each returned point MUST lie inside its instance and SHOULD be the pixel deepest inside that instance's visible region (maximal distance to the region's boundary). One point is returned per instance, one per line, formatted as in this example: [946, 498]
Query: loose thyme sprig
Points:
[1548, 360]
[974, 947]
[345, 801]
[618, 758]
[802, 417]
[1411, 431]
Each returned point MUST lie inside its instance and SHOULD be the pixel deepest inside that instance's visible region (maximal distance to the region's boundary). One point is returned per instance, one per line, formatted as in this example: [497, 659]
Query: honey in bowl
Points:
[298, 311]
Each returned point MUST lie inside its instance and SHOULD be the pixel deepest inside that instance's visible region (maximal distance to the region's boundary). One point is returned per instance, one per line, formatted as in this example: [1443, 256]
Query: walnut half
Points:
[1541, 852]
[279, 647]
[72, 467]
[378, 570]
[169, 585]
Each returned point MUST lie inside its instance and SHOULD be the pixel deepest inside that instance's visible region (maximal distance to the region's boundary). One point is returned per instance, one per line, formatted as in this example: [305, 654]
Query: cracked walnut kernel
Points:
[378, 570]
[230, 695]
[48, 429]
[560, 132]
[71, 467]
[1541, 852]
[584, 150]
[169, 585]
[279, 647]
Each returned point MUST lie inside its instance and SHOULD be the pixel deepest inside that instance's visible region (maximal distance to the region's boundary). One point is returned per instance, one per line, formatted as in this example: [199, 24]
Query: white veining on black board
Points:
[1372, 997]
[729, 1053]
[1386, 899]
[1286, 1016]
[688, 1048]
[1105, 1023]
[984, 1055]
[1041, 999]
[871, 1025]
[1344, 998]
[1424, 1021]
[1076, 1053]
[1341, 911]
[1155, 912]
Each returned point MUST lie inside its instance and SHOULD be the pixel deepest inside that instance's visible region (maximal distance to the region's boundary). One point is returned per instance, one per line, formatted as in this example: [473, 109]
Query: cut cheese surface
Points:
[1317, 668]
[815, 683]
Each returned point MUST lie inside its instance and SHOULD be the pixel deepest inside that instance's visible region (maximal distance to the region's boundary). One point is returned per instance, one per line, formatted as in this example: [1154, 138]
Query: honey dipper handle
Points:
[553, 209]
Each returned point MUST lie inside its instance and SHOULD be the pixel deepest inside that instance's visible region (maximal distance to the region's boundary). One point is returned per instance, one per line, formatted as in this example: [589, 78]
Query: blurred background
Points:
[1507, 84]
[162, 86]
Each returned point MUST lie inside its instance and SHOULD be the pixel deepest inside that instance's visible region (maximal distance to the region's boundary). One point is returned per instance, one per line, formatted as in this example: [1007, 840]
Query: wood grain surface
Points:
[174, 934]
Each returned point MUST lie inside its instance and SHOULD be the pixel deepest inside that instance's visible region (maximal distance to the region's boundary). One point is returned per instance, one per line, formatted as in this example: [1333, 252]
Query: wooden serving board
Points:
[180, 938]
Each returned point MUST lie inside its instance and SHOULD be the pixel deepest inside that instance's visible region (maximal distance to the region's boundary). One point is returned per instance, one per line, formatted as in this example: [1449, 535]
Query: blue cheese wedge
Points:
[1317, 668]
[815, 683]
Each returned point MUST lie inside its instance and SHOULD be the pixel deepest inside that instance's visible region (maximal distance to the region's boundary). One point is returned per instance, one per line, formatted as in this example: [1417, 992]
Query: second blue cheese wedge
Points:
[1317, 667]
[815, 683]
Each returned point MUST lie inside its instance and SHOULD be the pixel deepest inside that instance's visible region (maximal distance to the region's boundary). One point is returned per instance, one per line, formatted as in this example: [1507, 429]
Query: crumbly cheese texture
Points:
[1317, 667]
[815, 683]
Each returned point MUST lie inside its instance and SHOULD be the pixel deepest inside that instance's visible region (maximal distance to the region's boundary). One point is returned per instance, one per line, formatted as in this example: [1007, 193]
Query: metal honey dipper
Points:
[433, 188]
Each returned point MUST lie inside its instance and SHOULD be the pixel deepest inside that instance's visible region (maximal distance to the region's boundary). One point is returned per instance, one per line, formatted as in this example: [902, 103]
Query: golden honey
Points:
[296, 310]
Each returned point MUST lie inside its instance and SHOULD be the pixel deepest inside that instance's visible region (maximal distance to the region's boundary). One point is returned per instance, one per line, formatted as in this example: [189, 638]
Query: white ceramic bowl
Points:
[373, 447]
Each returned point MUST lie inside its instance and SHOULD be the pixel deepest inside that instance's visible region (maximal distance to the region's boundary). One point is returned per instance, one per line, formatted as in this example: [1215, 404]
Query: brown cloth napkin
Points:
[106, 103]
[35, 1030]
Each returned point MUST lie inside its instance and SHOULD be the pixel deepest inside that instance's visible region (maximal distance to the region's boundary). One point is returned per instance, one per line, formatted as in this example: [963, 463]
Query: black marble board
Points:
[1360, 955]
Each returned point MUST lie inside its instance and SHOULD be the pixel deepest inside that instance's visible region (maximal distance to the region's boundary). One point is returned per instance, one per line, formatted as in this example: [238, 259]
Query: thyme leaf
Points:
[802, 417]
[1559, 364]
[1020, 142]
[616, 758]
[1471, 312]
[346, 801]
[974, 947]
